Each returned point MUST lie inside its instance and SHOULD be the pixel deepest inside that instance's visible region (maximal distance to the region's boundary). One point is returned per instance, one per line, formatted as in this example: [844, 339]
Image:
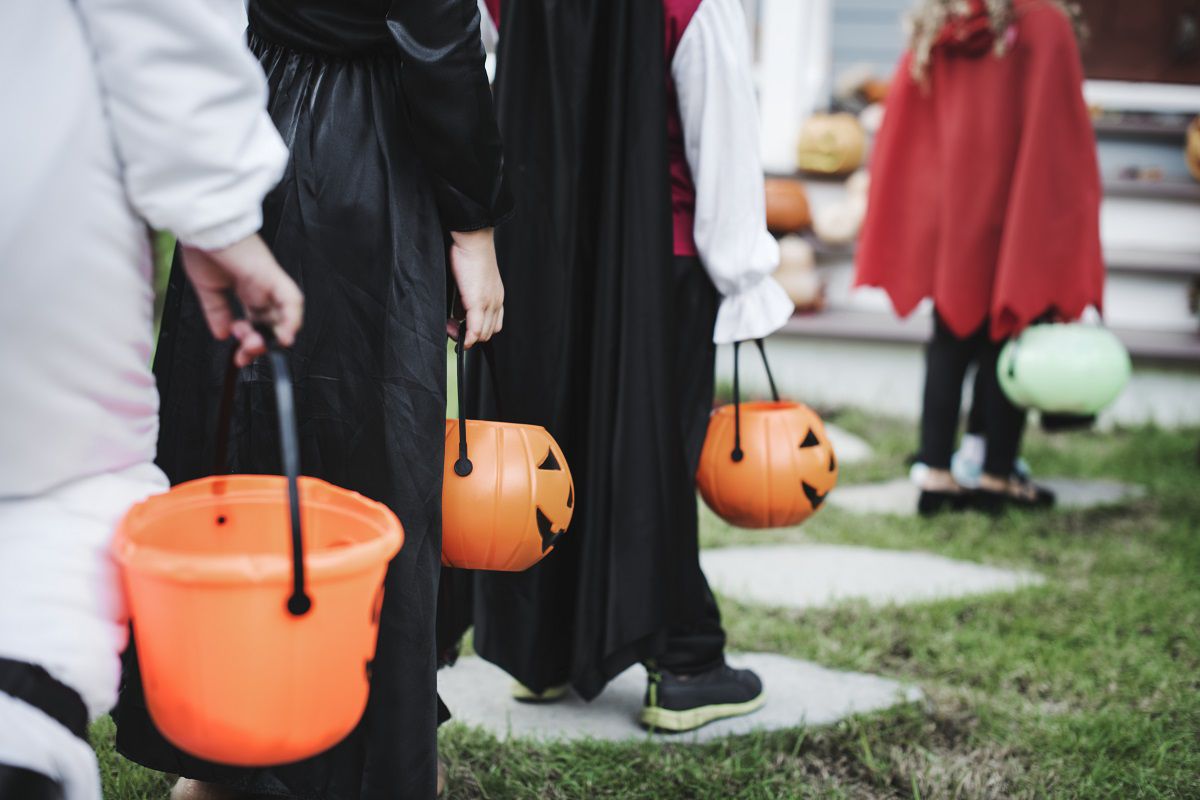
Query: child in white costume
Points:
[117, 113]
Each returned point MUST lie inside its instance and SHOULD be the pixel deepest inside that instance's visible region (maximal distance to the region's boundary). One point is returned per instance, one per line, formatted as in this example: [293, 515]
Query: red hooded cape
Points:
[985, 191]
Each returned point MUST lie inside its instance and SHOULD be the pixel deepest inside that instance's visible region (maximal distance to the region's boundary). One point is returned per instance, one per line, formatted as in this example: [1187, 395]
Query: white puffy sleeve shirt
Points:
[711, 70]
[186, 103]
[118, 113]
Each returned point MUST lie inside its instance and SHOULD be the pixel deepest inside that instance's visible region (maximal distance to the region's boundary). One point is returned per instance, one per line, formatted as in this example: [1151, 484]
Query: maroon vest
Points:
[677, 14]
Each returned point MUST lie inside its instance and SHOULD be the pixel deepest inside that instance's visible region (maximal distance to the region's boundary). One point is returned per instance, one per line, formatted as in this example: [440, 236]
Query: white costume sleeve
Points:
[488, 31]
[187, 106]
[712, 74]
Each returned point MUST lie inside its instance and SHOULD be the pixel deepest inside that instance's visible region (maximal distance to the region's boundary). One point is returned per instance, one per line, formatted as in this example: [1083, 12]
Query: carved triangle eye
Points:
[571, 497]
[810, 440]
[549, 462]
[814, 497]
[546, 529]
[832, 463]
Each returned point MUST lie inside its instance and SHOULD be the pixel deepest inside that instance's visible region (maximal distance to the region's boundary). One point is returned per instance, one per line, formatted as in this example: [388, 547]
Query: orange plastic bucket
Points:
[507, 499]
[255, 651]
[765, 464]
[511, 508]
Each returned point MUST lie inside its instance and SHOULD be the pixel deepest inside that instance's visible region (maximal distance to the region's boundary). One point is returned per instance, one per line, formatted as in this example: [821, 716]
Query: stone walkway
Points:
[899, 496]
[815, 575]
[798, 693]
[850, 448]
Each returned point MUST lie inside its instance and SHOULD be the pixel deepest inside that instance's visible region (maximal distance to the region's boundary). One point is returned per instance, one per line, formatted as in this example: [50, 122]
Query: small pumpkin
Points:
[787, 206]
[839, 223]
[859, 184]
[831, 144]
[797, 273]
[874, 90]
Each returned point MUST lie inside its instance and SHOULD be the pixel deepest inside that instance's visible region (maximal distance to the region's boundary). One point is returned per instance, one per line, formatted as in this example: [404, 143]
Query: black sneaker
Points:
[679, 703]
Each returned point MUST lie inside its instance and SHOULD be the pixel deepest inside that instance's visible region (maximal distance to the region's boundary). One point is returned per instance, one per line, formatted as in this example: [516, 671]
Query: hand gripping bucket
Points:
[255, 603]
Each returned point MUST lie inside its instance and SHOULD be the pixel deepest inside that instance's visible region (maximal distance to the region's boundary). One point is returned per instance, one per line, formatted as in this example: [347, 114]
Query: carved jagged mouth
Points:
[814, 497]
[547, 532]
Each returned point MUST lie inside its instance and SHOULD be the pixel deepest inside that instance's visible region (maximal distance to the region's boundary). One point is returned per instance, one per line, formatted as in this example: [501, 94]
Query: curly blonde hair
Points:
[926, 21]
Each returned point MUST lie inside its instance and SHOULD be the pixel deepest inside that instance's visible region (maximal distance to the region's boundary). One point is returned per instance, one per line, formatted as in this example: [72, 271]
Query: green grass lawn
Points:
[1088, 686]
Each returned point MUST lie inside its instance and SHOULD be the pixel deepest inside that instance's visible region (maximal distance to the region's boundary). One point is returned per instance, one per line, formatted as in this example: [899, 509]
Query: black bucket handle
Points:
[737, 454]
[463, 465]
[299, 603]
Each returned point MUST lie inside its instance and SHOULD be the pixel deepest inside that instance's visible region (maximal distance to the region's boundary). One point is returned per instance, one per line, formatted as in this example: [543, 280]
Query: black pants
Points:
[993, 416]
[699, 646]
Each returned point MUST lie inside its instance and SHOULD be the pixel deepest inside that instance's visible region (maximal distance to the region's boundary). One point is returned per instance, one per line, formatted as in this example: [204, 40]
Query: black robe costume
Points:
[593, 309]
[388, 117]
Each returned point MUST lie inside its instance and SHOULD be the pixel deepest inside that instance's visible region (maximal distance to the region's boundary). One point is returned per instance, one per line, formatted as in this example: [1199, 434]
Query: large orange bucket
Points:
[255, 602]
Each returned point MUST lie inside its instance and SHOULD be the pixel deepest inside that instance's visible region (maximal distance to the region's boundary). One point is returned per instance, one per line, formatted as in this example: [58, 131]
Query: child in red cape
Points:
[985, 196]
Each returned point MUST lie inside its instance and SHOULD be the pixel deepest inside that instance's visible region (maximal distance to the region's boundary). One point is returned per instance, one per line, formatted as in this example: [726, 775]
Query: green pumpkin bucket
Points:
[1071, 368]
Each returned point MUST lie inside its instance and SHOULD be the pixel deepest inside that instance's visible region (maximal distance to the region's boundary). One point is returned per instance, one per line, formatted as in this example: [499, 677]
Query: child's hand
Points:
[266, 292]
[480, 290]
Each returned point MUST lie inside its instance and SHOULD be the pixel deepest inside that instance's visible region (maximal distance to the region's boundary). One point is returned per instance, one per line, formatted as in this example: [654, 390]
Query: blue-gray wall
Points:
[868, 32]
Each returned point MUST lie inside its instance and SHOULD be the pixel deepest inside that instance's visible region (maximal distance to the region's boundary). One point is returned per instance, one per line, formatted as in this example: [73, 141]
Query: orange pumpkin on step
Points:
[787, 206]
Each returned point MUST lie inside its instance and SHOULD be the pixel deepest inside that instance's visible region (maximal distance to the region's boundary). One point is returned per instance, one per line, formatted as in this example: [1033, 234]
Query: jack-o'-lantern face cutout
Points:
[819, 472]
[786, 471]
[514, 503]
[555, 500]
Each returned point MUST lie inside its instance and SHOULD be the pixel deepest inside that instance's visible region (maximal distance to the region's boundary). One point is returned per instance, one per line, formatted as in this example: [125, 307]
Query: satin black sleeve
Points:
[450, 108]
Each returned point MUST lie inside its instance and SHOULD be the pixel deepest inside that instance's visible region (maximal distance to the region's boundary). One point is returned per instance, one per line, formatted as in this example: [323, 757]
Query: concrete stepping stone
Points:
[850, 448]
[818, 575]
[899, 496]
[798, 693]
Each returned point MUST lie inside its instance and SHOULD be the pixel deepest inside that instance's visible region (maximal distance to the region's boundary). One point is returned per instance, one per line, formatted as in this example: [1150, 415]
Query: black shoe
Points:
[934, 502]
[1031, 498]
[679, 703]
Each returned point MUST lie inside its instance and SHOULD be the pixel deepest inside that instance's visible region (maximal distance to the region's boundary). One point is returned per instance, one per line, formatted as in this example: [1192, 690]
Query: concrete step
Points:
[1149, 300]
[1158, 346]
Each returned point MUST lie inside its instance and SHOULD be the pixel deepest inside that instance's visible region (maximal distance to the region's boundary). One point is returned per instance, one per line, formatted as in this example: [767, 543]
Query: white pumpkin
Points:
[871, 118]
[839, 223]
[797, 273]
[859, 184]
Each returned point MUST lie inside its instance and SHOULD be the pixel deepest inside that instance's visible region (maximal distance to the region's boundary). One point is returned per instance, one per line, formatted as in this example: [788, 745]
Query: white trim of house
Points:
[1163, 98]
[795, 58]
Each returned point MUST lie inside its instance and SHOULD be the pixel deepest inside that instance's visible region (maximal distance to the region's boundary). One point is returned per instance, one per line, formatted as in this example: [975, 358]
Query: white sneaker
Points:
[967, 462]
[966, 465]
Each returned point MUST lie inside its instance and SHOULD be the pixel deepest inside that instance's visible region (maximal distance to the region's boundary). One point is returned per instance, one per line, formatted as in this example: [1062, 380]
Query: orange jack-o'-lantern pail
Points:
[765, 464]
[255, 601]
[507, 494]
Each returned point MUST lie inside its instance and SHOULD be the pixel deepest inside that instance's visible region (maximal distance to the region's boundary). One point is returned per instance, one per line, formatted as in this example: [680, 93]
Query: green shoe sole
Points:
[524, 694]
[663, 719]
